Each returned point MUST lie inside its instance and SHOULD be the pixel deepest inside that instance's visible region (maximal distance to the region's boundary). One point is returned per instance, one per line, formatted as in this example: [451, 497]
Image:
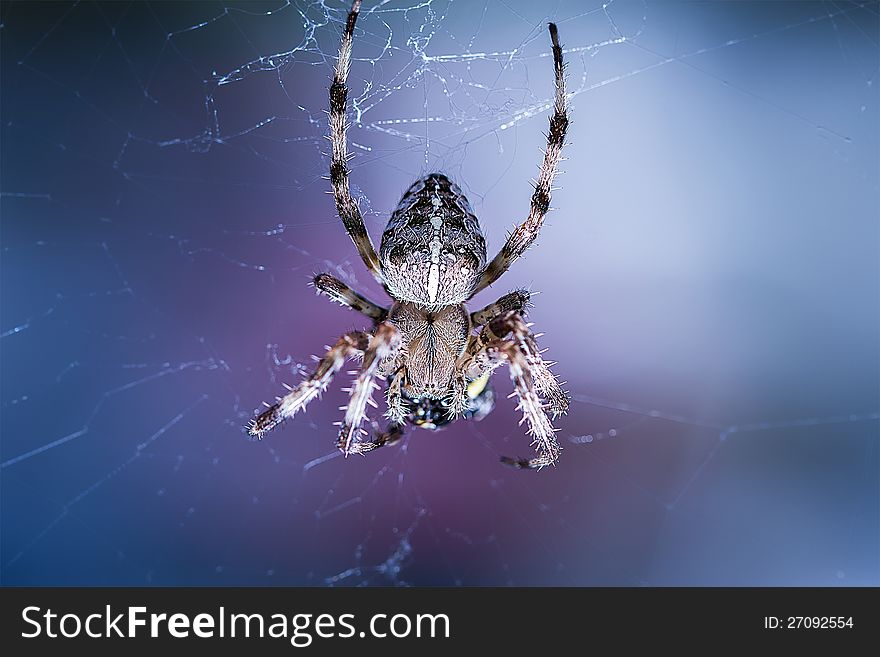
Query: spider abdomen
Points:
[433, 249]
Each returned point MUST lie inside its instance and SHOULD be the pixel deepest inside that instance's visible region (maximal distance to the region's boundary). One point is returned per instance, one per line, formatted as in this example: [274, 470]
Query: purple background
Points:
[709, 284]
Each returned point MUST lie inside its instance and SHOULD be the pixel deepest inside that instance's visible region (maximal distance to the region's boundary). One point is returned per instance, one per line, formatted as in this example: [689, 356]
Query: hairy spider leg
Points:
[523, 235]
[346, 206]
[383, 344]
[350, 344]
[345, 296]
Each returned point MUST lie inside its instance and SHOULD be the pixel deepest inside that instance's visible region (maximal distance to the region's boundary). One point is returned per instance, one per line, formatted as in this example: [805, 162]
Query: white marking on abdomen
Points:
[434, 273]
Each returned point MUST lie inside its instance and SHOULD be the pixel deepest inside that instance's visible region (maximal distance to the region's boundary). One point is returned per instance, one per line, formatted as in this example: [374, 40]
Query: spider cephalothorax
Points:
[431, 260]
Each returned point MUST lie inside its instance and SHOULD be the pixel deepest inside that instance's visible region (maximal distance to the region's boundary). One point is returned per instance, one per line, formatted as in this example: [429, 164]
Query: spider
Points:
[431, 260]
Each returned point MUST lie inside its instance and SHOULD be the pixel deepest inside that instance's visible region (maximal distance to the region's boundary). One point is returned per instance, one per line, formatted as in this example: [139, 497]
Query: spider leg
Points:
[546, 383]
[472, 364]
[384, 343]
[457, 400]
[524, 234]
[507, 339]
[516, 300]
[344, 295]
[397, 411]
[346, 206]
[350, 344]
[392, 435]
[540, 428]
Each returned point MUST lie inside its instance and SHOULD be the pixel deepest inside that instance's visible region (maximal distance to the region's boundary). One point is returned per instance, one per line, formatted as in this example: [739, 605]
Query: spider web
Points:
[709, 286]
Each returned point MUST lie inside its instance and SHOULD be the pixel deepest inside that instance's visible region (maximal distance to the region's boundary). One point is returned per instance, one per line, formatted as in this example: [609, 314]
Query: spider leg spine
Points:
[383, 343]
[310, 387]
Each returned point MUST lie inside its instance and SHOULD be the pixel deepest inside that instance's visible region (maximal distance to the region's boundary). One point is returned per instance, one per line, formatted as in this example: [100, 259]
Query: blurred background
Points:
[708, 283]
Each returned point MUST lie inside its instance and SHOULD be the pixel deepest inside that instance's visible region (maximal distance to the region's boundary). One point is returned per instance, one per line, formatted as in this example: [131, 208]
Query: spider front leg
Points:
[473, 363]
[546, 383]
[540, 428]
[507, 339]
[384, 343]
[457, 399]
[526, 233]
[392, 435]
[348, 345]
[397, 410]
[344, 295]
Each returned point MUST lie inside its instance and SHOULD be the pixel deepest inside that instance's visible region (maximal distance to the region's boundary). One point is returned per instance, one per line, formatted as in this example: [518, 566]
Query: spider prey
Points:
[431, 260]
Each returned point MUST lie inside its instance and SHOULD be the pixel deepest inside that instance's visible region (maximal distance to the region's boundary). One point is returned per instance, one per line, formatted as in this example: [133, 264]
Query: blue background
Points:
[708, 284]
